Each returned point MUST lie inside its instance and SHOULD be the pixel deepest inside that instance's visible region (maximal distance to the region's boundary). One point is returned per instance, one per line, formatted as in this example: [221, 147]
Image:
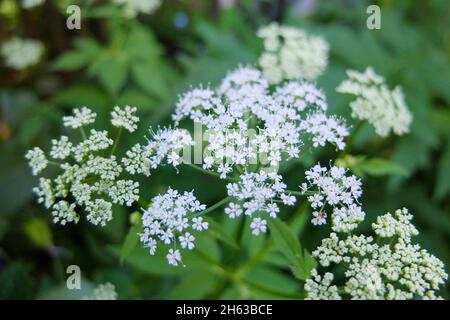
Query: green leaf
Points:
[285, 240]
[131, 240]
[140, 259]
[82, 94]
[374, 166]
[271, 279]
[149, 78]
[111, 73]
[38, 232]
[103, 11]
[218, 232]
[135, 97]
[302, 271]
[193, 286]
[142, 45]
[72, 60]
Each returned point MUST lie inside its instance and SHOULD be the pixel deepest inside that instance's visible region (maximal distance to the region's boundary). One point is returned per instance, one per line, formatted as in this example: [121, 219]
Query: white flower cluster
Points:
[88, 177]
[37, 160]
[167, 144]
[133, 7]
[390, 268]
[106, 291]
[386, 110]
[21, 53]
[291, 53]
[81, 117]
[170, 220]
[125, 118]
[246, 123]
[29, 4]
[256, 193]
[332, 187]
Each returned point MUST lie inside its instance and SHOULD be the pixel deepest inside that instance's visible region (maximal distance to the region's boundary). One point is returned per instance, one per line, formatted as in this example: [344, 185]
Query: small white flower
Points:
[125, 118]
[320, 217]
[173, 257]
[198, 224]
[233, 210]
[258, 226]
[187, 241]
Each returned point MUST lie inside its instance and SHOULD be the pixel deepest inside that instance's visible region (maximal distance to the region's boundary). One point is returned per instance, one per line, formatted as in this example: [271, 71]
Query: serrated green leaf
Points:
[302, 271]
[285, 240]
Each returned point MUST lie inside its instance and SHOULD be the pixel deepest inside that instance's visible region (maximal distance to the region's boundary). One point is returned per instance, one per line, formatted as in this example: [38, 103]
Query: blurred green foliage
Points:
[146, 62]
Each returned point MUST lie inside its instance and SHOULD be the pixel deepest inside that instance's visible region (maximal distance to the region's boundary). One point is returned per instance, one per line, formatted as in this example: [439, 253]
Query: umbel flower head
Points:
[386, 110]
[88, 179]
[170, 220]
[246, 123]
[389, 267]
[333, 188]
[21, 53]
[291, 53]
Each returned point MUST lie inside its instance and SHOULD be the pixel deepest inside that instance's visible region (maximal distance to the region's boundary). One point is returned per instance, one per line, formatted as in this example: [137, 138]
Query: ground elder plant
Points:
[255, 120]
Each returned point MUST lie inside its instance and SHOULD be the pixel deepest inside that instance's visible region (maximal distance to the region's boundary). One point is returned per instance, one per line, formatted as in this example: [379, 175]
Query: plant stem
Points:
[116, 142]
[214, 206]
[83, 133]
[208, 172]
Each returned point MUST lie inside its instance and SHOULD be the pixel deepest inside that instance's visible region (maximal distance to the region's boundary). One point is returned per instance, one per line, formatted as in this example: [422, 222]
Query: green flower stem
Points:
[214, 206]
[83, 133]
[299, 193]
[54, 163]
[116, 142]
[143, 203]
[208, 172]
